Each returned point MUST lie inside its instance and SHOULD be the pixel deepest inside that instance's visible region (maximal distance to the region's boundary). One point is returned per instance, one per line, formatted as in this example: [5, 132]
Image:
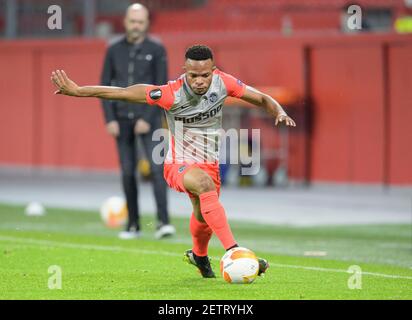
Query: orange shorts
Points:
[174, 172]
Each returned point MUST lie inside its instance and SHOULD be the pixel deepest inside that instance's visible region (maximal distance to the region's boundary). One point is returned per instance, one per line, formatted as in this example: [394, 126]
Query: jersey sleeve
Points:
[163, 96]
[234, 87]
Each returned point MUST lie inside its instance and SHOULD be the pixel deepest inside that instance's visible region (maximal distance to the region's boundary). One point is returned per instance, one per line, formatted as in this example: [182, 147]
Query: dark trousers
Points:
[128, 154]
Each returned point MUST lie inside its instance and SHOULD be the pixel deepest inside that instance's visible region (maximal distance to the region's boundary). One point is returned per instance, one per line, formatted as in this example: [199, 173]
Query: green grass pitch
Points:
[97, 265]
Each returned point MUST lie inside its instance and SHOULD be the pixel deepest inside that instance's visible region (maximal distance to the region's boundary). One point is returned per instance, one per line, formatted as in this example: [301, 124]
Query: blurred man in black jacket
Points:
[136, 59]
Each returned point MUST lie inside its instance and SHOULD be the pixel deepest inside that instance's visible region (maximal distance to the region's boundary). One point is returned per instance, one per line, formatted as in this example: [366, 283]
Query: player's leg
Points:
[175, 175]
[126, 145]
[200, 184]
[200, 230]
[201, 234]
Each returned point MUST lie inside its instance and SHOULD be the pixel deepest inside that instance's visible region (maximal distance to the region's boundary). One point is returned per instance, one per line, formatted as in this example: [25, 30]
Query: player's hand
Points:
[113, 129]
[141, 127]
[63, 84]
[285, 118]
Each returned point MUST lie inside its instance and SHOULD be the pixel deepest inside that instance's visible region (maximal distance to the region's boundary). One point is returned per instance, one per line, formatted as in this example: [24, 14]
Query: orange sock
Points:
[201, 234]
[215, 216]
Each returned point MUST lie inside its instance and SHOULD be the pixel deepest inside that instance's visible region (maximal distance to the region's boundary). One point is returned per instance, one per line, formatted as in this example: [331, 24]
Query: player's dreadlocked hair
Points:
[199, 52]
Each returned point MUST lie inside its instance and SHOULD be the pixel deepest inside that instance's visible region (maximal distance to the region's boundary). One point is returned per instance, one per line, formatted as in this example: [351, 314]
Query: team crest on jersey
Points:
[213, 97]
[155, 94]
[180, 170]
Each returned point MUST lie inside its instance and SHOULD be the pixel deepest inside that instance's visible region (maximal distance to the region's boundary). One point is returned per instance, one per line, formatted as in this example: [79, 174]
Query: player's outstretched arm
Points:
[66, 86]
[260, 99]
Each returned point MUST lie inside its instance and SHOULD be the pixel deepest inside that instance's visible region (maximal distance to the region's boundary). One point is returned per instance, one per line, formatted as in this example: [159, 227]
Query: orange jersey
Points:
[195, 121]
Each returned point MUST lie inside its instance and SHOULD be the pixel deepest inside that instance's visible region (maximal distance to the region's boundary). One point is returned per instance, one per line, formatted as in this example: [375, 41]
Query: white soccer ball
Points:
[239, 265]
[114, 212]
[35, 209]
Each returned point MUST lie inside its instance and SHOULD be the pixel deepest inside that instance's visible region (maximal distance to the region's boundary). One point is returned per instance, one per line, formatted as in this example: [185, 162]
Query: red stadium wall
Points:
[40, 128]
[399, 114]
[362, 109]
[348, 136]
[359, 85]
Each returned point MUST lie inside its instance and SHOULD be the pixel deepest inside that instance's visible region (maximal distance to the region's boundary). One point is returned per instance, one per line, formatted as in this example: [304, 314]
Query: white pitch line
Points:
[58, 244]
[383, 275]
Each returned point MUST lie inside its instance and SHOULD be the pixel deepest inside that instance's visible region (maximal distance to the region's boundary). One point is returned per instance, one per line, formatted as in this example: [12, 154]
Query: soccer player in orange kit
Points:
[193, 103]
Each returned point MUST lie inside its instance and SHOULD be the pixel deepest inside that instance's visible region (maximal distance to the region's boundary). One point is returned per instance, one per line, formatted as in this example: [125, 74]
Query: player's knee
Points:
[199, 183]
[206, 184]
